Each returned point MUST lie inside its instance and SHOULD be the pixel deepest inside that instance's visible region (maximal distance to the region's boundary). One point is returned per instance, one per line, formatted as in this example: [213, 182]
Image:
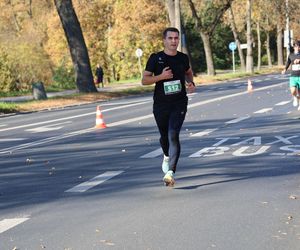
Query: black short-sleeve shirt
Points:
[295, 69]
[179, 64]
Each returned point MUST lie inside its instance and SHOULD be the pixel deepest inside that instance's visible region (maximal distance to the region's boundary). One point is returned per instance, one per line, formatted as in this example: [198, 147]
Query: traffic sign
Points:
[232, 46]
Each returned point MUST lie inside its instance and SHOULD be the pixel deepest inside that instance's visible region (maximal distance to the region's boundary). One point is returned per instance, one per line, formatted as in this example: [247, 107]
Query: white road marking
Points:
[93, 182]
[153, 154]
[7, 224]
[113, 124]
[47, 128]
[204, 132]
[56, 138]
[12, 139]
[46, 140]
[277, 154]
[232, 95]
[282, 103]
[237, 120]
[70, 117]
[263, 111]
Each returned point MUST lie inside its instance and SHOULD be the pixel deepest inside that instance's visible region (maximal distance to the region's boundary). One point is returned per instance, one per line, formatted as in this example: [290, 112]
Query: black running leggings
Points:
[169, 119]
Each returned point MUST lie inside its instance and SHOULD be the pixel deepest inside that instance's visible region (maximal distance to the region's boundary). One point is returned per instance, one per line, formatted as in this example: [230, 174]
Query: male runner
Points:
[294, 60]
[171, 72]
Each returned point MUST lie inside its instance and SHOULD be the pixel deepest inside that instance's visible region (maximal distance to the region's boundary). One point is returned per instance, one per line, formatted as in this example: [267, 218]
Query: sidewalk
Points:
[70, 92]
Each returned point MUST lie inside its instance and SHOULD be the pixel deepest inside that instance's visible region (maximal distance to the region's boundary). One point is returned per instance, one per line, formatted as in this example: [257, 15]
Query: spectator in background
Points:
[99, 76]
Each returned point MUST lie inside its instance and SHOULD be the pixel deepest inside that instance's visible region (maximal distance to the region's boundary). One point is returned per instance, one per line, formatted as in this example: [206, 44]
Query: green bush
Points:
[21, 64]
[64, 77]
[8, 78]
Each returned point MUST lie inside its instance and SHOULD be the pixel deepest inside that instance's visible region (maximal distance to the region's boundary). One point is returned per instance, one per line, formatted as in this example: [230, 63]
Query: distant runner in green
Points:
[173, 77]
[294, 60]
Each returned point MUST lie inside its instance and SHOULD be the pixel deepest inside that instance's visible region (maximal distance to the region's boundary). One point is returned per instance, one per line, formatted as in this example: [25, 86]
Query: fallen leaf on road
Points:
[290, 217]
[107, 242]
[29, 160]
[293, 197]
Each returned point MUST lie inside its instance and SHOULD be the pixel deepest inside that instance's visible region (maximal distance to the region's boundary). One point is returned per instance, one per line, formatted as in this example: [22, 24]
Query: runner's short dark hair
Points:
[170, 29]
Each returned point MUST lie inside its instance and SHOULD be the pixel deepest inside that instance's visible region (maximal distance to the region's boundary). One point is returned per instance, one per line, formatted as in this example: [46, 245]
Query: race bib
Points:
[296, 67]
[172, 87]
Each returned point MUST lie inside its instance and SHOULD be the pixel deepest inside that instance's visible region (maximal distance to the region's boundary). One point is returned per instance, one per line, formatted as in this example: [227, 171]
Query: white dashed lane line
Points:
[204, 132]
[265, 110]
[7, 224]
[12, 139]
[238, 120]
[282, 103]
[152, 154]
[97, 180]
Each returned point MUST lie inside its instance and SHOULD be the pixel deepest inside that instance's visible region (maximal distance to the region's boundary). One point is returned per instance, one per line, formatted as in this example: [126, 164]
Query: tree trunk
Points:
[236, 38]
[249, 58]
[279, 45]
[178, 22]
[258, 46]
[268, 50]
[173, 7]
[171, 11]
[77, 46]
[208, 53]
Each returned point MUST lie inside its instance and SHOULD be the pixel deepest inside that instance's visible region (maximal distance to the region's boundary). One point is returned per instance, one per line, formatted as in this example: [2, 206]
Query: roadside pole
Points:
[232, 47]
[139, 53]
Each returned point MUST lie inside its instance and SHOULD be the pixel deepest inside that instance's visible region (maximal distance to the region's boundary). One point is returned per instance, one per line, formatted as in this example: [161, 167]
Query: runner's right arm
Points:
[287, 65]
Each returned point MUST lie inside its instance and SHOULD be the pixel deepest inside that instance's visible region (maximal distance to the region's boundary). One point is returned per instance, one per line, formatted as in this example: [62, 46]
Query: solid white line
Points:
[113, 124]
[282, 103]
[93, 182]
[233, 95]
[153, 154]
[204, 132]
[46, 140]
[71, 117]
[237, 120]
[263, 111]
[7, 224]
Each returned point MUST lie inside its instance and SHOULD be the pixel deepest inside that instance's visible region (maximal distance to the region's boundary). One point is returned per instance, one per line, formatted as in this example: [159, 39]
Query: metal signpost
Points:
[139, 53]
[232, 47]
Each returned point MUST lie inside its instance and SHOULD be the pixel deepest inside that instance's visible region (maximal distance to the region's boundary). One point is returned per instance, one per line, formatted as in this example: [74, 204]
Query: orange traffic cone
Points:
[250, 87]
[99, 119]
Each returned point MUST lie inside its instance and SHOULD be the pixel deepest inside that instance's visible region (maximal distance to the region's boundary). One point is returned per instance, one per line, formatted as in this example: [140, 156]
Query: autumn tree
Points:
[207, 14]
[140, 26]
[21, 38]
[236, 35]
[77, 46]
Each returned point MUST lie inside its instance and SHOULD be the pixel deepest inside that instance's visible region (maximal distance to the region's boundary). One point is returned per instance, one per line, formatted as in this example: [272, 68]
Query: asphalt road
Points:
[66, 185]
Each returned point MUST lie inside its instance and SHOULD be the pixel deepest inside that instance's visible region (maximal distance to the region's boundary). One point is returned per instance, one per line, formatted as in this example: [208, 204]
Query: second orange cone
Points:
[99, 119]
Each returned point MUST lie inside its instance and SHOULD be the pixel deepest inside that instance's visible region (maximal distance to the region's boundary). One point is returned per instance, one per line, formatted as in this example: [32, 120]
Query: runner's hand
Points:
[167, 73]
[190, 87]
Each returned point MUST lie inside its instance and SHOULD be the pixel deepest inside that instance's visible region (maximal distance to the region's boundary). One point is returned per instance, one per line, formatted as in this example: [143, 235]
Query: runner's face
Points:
[296, 48]
[171, 41]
